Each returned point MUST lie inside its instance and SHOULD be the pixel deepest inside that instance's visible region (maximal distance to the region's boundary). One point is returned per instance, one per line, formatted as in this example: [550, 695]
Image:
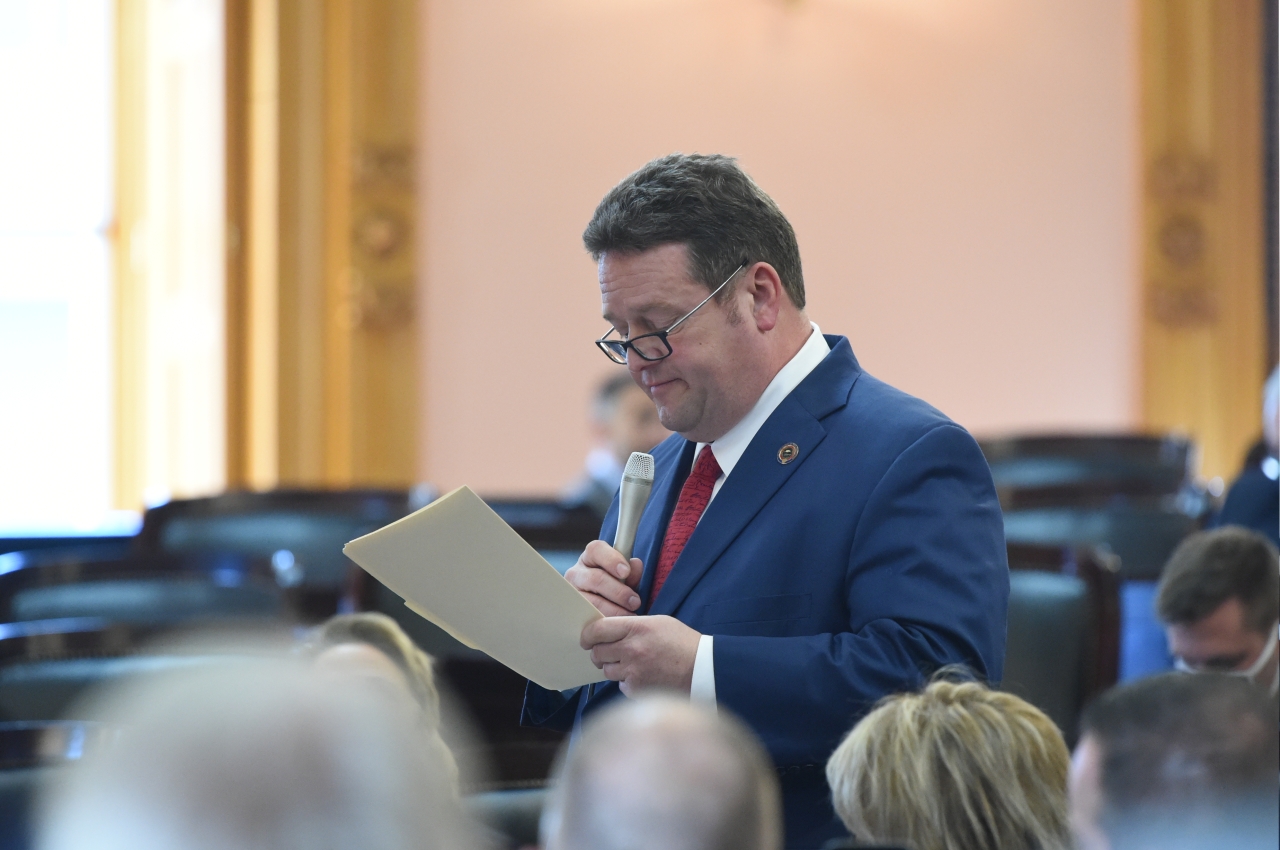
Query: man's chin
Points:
[673, 420]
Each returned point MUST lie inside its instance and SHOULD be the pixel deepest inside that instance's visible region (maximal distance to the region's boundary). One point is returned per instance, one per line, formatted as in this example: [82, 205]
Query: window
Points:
[55, 297]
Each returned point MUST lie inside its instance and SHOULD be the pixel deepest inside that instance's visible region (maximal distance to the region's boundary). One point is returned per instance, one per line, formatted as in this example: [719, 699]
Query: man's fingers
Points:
[605, 653]
[593, 580]
[637, 570]
[613, 672]
[604, 606]
[602, 555]
[608, 630]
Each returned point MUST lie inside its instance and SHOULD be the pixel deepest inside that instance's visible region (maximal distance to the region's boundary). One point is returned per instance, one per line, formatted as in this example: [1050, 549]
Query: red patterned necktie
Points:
[694, 496]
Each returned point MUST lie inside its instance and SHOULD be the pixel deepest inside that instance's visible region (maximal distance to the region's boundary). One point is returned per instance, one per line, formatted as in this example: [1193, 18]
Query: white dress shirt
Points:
[728, 451]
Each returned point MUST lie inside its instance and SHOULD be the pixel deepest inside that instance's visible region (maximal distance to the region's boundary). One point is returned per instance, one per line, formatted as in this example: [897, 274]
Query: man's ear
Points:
[766, 291]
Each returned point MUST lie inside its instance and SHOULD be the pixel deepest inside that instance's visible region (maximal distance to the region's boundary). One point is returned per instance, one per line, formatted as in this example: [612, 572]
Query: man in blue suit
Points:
[815, 539]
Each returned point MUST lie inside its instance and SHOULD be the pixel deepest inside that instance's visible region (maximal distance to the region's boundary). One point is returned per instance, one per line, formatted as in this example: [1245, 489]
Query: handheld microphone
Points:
[637, 481]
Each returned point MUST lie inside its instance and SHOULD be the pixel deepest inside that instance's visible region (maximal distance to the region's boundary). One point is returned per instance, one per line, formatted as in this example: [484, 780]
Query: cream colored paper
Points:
[456, 563]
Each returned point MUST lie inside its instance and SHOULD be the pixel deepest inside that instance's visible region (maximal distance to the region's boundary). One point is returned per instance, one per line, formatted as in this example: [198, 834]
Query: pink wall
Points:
[961, 177]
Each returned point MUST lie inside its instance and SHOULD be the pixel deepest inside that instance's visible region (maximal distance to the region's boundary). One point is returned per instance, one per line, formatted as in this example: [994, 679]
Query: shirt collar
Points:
[730, 448]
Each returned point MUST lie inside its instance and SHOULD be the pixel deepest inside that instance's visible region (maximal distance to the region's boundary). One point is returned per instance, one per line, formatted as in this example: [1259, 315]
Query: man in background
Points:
[660, 772]
[1219, 600]
[623, 420]
[1177, 761]
[1254, 498]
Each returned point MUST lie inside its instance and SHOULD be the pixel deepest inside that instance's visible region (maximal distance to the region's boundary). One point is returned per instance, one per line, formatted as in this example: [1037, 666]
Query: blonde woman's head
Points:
[956, 766]
[374, 646]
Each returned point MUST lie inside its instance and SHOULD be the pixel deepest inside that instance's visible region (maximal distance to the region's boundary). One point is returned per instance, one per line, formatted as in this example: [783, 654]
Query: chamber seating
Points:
[1142, 537]
[46, 666]
[1123, 463]
[302, 532]
[1134, 496]
[1064, 629]
[143, 588]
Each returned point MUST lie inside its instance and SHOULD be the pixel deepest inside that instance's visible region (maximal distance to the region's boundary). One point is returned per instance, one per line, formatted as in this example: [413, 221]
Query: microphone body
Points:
[637, 481]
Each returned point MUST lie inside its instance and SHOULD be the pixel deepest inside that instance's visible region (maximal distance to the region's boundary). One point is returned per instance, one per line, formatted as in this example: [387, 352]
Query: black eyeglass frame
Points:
[616, 349]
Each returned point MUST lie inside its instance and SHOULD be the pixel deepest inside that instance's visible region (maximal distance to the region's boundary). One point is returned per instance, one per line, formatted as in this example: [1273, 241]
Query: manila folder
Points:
[456, 563]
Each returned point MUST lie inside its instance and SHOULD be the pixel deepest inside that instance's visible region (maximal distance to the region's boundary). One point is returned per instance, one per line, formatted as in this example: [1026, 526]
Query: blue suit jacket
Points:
[854, 571]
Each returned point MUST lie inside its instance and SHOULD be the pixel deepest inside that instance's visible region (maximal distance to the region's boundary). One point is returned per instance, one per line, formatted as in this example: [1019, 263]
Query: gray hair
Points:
[262, 754]
[660, 772]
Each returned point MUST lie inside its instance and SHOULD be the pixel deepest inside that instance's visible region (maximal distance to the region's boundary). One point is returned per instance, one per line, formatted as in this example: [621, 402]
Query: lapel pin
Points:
[788, 453]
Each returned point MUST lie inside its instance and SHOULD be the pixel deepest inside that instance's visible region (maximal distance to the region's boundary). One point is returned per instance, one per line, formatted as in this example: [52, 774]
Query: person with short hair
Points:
[1219, 599]
[956, 766]
[814, 538]
[1254, 498]
[659, 772]
[623, 420]
[1177, 761]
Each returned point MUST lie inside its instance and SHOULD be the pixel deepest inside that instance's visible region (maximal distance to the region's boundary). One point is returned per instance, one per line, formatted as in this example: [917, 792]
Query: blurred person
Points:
[1219, 600]
[659, 772]
[373, 645]
[1177, 761]
[623, 420]
[1254, 498]
[956, 766]
[255, 754]
[815, 539]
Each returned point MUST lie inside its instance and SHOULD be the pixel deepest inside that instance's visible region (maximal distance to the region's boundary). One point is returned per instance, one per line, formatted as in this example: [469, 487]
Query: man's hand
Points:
[643, 652]
[607, 580]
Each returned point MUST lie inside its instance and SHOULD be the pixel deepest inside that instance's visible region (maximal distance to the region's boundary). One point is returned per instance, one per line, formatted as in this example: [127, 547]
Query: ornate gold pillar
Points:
[1204, 322]
[321, 353]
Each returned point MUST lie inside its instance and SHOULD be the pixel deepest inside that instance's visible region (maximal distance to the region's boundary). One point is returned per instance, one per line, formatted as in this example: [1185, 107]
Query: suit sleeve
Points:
[926, 583]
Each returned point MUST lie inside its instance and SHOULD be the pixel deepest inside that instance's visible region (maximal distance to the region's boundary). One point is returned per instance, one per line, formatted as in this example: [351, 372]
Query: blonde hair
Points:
[385, 635]
[956, 766]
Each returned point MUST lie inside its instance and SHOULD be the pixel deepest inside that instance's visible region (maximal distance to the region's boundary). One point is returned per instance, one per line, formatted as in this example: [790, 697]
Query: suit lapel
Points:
[755, 479]
[759, 473]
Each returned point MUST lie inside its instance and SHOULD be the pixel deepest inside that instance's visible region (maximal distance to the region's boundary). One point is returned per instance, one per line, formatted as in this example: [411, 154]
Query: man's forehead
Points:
[647, 294]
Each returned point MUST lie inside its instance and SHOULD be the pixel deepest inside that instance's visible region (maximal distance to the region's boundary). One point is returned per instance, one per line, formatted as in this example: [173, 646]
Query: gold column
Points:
[374, 293]
[321, 337]
[1204, 322]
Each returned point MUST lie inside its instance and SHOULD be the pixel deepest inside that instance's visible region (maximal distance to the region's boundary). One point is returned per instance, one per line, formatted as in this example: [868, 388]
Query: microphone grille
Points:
[640, 466]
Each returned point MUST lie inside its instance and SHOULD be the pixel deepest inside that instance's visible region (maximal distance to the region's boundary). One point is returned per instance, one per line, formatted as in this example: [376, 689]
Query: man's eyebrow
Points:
[646, 310]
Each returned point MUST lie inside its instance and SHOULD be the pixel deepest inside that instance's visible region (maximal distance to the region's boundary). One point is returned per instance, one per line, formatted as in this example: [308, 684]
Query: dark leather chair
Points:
[33, 550]
[47, 666]
[174, 589]
[32, 754]
[1064, 628]
[1097, 471]
[302, 532]
[1131, 463]
[1142, 537]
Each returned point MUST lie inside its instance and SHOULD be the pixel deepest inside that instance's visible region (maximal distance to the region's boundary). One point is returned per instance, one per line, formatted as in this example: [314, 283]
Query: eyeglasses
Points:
[653, 346]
